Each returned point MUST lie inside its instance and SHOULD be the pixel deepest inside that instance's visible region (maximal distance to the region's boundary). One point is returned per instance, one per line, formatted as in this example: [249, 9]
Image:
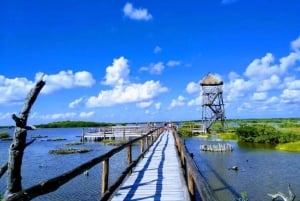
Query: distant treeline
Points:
[267, 120]
[72, 124]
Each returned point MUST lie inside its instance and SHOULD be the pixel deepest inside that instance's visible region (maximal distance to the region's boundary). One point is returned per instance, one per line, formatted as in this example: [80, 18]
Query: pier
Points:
[164, 171]
[113, 132]
[158, 176]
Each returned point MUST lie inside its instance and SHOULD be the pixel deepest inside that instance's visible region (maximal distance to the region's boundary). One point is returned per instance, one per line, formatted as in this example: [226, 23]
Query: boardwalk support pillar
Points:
[105, 173]
[129, 156]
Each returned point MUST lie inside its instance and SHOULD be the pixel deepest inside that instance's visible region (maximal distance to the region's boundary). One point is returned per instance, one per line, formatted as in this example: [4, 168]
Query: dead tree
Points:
[291, 197]
[16, 150]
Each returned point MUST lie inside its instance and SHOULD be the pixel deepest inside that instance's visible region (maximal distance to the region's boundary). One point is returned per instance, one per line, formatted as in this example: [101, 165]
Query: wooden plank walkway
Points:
[158, 177]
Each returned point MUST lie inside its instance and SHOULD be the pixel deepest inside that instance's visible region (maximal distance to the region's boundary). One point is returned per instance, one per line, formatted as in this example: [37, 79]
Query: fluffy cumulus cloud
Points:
[136, 13]
[192, 88]
[195, 101]
[117, 73]
[267, 83]
[179, 101]
[295, 45]
[14, 90]
[66, 80]
[129, 93]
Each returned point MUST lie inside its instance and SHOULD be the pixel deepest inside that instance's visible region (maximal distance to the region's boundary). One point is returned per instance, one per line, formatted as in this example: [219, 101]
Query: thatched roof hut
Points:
[211, 80]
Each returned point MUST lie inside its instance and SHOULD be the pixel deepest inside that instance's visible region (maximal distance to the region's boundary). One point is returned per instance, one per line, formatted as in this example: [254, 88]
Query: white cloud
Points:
[272, 82]
[237, 88]
[157, 50]
[86, 114]
[262, 68]
[76, 102]
[295, 45]
[154, 68]
[117, 74]
[293, 84]
[66, 80]
[144, 104]
[136, 13]
[14, 90]
[129, 93]
[290, 96]
[180, 101]
[290, 60]
[268, 84]
[196, 101]
[173, 63]
[192, 88]
[259, 96]
[157, 106]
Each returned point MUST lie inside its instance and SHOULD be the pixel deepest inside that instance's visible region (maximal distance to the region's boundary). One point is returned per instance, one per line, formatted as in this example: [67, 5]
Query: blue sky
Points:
[134, 61]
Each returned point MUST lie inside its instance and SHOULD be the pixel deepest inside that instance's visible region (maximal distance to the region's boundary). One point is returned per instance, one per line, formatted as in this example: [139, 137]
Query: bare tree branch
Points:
[3, 169]
[291, 197]
[16, 151]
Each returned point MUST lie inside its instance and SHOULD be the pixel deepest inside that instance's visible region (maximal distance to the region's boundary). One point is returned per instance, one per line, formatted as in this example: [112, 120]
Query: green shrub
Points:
[258, 133]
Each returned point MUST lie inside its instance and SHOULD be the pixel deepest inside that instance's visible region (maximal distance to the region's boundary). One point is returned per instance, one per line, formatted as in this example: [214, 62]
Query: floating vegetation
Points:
[4, 135]
[56, 139]
[114, 142]
[69, 151]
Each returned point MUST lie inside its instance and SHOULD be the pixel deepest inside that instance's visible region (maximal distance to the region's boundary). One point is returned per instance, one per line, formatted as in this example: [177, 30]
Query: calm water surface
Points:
[261, 170]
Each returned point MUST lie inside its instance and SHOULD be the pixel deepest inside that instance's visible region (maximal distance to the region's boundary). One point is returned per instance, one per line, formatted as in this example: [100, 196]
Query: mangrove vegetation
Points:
[73, 124]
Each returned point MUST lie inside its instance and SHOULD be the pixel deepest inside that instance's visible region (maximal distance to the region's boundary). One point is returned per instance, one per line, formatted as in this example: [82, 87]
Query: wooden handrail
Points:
[54, 183]
[194, 178]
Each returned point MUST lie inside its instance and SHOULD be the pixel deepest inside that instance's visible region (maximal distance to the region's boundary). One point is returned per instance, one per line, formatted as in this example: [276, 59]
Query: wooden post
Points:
[105, 173]
[82, 135]
[147, 143]
[142, 145]
[191, 185]
[123, 133]
[129, 156]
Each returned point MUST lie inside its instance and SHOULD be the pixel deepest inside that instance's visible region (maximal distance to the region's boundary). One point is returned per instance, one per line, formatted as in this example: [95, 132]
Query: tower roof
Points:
[211, 80]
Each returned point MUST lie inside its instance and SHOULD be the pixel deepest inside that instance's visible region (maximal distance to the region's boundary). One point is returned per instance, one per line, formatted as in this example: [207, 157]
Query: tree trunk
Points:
[16, 150]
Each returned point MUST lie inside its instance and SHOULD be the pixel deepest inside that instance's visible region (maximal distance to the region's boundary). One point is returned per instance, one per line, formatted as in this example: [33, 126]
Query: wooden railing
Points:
[195, 181]
[106, 191]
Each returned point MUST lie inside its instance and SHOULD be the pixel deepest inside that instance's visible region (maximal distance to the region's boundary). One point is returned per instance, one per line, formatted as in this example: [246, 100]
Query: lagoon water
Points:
[261, 170]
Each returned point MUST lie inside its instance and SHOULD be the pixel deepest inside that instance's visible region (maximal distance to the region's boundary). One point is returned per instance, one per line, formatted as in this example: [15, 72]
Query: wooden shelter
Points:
[212, 101]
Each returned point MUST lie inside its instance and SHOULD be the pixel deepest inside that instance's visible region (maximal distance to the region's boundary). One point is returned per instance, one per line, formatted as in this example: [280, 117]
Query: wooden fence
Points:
[195, 181]
[106, 191]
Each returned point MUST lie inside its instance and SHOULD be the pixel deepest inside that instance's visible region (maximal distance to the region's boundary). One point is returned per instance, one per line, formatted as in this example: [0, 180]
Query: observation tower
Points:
[212, 101]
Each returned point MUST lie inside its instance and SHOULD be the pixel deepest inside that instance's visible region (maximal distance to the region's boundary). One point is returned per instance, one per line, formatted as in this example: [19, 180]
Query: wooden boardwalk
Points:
[158, 177]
